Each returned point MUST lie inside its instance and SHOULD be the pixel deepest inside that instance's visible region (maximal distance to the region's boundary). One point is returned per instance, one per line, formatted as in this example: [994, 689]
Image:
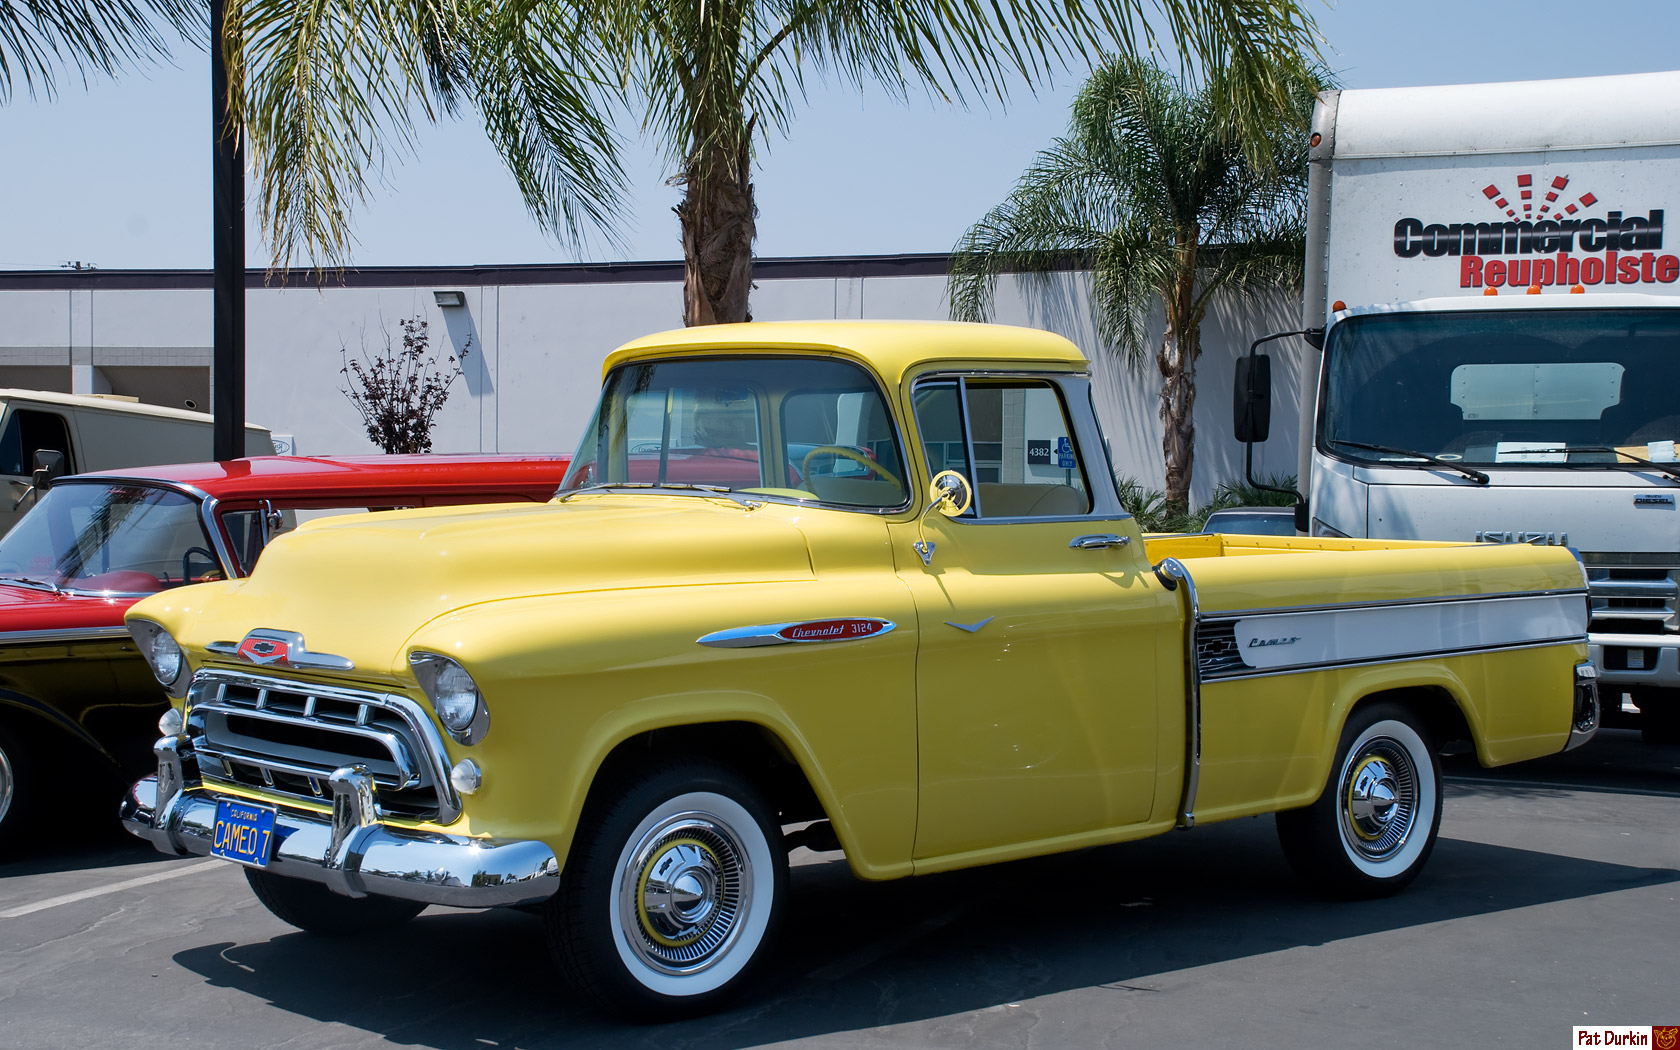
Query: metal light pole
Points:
[227, 359]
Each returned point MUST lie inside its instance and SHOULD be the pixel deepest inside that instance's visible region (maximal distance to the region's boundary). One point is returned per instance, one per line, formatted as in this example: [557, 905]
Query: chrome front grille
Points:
[1628, 599]
[286, 737]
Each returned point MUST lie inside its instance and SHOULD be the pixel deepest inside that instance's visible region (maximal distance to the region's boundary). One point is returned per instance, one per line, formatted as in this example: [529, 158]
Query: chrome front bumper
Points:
[1658, 656]
[350, 853]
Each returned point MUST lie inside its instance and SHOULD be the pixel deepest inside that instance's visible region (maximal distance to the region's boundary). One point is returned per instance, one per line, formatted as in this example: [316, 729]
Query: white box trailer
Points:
[1498, 306]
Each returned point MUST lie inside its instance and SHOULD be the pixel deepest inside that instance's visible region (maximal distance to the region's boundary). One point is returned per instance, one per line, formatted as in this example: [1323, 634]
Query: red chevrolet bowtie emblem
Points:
[263, 651]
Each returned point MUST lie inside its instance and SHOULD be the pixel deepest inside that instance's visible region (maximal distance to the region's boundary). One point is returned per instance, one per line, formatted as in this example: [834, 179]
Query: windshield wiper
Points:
[39, 585]
[1445, 464]
[1669, 469]
[666, 486]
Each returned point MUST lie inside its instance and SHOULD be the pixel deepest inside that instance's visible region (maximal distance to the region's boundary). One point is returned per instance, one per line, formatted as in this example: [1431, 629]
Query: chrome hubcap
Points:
[1379, 798]
[684, 893]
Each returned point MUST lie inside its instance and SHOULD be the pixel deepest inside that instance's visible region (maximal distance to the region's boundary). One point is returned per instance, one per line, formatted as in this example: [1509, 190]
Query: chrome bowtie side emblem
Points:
[267, 647]
[970, 627]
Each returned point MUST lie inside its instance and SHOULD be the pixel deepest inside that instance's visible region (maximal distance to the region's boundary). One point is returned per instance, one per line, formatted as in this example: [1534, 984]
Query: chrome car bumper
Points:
[350, 853]
[1658, 659]
[1587, 714]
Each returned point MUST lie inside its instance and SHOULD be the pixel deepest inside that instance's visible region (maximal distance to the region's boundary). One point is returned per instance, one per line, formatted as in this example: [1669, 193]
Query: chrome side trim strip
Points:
[1397, 603]
[1174, 570]
[68, 634]
[1408, 658]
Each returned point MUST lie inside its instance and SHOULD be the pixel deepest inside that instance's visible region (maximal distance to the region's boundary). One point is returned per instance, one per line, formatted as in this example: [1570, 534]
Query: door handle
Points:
[1097, 542]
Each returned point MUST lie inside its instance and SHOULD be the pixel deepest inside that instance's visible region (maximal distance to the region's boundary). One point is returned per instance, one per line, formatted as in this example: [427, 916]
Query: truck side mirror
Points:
[1251, 398]
[49, 467]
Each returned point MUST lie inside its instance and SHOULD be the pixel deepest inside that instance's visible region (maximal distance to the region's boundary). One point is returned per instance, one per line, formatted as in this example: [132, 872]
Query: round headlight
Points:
[165, 658]
[162, 654]
[454, 696]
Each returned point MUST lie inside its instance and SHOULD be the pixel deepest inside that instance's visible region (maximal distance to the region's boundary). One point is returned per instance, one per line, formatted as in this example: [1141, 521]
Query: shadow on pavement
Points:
[85, 834]
[856, 955]
[1616, 760]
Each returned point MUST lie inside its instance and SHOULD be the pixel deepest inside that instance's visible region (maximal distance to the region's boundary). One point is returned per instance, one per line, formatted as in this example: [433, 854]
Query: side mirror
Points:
[1251, 398]
[951, 494]
[49, 467]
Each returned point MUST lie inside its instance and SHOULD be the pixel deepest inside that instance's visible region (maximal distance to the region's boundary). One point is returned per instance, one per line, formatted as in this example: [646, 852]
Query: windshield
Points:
[804, 428]
[111, 539]
[1504, 388]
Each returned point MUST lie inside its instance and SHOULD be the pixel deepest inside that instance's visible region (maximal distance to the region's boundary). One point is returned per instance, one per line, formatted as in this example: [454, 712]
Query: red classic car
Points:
[72, 684]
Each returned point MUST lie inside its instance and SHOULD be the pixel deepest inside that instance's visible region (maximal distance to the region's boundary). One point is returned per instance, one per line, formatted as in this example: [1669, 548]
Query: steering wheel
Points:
[208, 555]
[845, 453]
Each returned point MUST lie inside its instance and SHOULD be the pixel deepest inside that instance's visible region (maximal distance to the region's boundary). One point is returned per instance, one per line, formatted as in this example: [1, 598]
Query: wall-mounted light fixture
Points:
[447, 299]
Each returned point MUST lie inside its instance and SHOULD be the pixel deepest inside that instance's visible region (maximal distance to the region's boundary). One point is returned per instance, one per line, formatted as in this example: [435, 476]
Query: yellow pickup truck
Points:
[857, 586]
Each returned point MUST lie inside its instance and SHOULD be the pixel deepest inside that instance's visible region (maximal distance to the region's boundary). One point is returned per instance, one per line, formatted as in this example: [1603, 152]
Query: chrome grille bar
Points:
[329, 727]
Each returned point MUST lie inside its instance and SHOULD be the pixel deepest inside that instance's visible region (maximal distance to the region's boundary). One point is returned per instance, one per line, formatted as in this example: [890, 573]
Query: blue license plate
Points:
[243, 832]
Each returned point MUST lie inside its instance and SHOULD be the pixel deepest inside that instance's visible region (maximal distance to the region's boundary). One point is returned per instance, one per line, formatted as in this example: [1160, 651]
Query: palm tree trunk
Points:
[719, 224]
[1180, 347]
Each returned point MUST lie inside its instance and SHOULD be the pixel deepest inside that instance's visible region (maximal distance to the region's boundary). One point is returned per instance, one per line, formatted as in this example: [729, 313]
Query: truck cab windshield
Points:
[809, 429]
[1582, 387]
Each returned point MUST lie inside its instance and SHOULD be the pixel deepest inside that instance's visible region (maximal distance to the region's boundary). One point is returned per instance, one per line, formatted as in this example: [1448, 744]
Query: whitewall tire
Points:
[671, 893]
[1375, 824]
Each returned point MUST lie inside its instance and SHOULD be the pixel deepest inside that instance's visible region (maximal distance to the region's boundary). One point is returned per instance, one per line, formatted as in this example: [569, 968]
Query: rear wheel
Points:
[1374, 826]
[313, 908]
[671, 893]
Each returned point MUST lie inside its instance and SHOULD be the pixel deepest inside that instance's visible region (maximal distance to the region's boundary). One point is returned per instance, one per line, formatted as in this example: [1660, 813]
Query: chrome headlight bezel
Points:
[455, 697]
[164, 655]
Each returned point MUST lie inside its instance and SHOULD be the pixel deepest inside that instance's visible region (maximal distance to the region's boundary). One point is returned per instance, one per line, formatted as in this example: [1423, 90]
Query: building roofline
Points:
[928, 264]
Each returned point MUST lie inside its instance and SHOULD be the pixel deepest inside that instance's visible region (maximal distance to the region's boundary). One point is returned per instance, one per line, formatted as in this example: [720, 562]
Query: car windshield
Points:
[800, 428]
[1587, 387]
[109, 539]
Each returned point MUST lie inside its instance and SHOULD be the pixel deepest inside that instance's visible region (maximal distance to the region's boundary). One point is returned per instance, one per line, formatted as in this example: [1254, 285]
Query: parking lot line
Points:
[174, 872]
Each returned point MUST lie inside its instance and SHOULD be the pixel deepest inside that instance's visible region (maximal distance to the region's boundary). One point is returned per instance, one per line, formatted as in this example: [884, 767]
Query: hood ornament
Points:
[267, 647]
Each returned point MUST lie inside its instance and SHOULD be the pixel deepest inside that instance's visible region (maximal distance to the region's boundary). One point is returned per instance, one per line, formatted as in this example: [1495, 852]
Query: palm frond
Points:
[102, 37]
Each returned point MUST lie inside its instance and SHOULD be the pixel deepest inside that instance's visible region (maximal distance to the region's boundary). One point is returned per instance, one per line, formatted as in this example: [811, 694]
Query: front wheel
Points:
[671, 893]
[1374, 826]
[17, 790]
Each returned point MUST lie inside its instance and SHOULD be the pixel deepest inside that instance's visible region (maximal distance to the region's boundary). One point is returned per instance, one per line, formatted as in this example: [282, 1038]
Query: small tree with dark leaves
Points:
[399, 391]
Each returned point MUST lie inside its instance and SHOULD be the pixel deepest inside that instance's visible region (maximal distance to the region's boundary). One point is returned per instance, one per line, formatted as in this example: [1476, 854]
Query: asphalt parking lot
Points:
[1552, 900]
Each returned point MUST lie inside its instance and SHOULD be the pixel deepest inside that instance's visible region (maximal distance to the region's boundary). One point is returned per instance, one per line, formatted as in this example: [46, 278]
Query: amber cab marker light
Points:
[1315, 140]
[1338, 306]
[1577, 290]
[1490, 291]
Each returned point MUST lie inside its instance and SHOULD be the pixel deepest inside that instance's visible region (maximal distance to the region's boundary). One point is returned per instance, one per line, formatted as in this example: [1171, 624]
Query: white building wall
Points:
[535, 350]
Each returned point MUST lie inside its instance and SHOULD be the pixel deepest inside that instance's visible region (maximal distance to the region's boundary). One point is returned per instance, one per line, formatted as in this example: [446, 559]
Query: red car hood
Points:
[27, 609]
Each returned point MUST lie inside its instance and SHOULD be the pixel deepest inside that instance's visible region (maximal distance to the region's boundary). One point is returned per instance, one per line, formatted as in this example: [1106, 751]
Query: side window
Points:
[26, 433]
[1026, 463]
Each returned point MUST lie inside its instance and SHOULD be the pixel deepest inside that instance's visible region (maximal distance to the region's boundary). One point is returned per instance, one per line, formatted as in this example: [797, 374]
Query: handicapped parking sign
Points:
[1064, 454]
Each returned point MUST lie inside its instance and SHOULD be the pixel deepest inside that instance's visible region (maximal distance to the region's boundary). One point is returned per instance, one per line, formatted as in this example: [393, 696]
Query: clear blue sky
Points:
[118, 175]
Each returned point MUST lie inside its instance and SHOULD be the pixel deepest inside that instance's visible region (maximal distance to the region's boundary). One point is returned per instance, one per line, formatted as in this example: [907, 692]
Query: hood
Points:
[360, 586]
[29, 609]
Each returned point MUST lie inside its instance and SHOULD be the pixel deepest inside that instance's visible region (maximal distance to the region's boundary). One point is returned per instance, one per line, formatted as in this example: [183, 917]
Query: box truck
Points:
[1491, 298]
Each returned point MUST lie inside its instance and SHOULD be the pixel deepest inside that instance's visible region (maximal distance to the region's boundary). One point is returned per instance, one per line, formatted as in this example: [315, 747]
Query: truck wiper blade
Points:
[1669, 469]
[1445, 464]
[39, 585]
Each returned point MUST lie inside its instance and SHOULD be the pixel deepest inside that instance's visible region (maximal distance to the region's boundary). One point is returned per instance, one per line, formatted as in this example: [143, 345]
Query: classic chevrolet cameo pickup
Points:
[856, 586]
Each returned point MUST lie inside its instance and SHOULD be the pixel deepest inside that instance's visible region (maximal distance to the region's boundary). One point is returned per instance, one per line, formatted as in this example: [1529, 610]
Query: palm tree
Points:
[93, 36]
[1167, 193]
[330, 93]
[715, 74]
[328, 90]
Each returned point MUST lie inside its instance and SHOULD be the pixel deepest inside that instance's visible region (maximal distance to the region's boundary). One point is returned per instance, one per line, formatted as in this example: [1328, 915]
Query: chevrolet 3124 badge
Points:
[874, 576]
